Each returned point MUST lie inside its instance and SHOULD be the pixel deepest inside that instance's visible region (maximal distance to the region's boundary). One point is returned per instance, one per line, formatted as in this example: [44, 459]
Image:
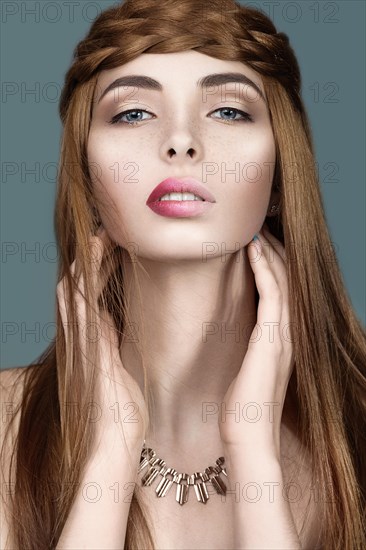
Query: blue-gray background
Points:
[37, 41]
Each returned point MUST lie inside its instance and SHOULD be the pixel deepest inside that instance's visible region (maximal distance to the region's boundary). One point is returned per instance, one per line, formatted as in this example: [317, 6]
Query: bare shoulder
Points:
[9, 377]
[11, 391]
[11, 385]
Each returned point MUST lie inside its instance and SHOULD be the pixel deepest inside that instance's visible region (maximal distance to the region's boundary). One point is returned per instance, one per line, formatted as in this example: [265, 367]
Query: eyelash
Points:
[116, 118]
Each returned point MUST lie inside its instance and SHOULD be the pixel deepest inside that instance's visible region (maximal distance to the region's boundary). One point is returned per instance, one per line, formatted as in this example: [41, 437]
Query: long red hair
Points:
[329, 379]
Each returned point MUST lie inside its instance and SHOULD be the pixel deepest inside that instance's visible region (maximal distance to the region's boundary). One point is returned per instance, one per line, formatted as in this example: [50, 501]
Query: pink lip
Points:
[180, 209]
[182, 185]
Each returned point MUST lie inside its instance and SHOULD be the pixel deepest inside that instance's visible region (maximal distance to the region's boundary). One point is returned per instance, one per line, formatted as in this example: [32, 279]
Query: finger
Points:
[278, 265]
[64, 297]
[103, 246]
[277, 245]
[274, 252]
[270, 302]
[272, 263]
[80, 305]
[62, 306]
[109, 337]
[79, 295]
[100, 243]
[96, 245]
[63, 300]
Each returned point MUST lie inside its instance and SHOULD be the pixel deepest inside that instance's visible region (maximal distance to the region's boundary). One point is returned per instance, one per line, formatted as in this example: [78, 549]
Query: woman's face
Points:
[219, 135]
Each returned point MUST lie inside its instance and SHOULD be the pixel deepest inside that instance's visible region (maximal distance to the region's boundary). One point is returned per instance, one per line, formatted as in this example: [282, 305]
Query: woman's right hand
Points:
[118, 396]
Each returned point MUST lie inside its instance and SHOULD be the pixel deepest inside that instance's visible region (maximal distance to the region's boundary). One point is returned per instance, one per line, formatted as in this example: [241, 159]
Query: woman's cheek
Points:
[106, 167]
[250, 197]
[260, 155]
[120, 203]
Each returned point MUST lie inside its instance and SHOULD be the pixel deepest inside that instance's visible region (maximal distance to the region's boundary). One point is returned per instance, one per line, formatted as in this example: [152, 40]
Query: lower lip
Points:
[180, 209]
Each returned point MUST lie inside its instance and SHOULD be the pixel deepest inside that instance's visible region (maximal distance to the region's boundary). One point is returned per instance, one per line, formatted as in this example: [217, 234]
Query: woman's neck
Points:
[198, 317]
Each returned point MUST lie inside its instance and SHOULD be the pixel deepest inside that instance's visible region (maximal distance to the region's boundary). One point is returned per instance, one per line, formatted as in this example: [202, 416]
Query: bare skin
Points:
[184, 295]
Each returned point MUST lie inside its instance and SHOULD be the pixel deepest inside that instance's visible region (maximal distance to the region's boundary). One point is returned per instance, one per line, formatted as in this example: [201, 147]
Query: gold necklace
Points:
[182, 480]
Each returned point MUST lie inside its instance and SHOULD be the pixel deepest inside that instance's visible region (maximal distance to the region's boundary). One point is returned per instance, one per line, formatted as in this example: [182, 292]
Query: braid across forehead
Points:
[218, 28]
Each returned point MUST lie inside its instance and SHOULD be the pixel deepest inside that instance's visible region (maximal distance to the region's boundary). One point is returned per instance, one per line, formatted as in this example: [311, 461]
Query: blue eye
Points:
[117, 119]
[245, 116]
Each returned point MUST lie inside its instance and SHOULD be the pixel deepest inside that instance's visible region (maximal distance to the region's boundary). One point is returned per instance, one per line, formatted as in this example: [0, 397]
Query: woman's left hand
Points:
[258, 391]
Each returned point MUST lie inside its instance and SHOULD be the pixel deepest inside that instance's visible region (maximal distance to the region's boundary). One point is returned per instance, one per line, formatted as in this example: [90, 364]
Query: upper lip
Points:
[180, 185]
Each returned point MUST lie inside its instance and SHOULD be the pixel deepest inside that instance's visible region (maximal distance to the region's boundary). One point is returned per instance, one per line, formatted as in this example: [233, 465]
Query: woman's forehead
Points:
[187, 67]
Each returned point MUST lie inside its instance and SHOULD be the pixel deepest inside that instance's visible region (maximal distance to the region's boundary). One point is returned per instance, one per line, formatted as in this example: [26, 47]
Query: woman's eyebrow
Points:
[211, 80]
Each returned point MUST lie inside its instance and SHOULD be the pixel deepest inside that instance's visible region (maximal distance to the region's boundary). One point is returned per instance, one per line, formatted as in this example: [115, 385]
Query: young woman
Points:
[235, 366]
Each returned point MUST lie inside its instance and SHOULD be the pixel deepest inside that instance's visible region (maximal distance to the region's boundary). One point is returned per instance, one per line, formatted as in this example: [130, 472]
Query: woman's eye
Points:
[133, 116]
[117, 119]
[231, 110]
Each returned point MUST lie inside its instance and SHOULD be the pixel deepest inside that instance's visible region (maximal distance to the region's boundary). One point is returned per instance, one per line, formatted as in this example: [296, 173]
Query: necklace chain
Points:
[183, 481]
